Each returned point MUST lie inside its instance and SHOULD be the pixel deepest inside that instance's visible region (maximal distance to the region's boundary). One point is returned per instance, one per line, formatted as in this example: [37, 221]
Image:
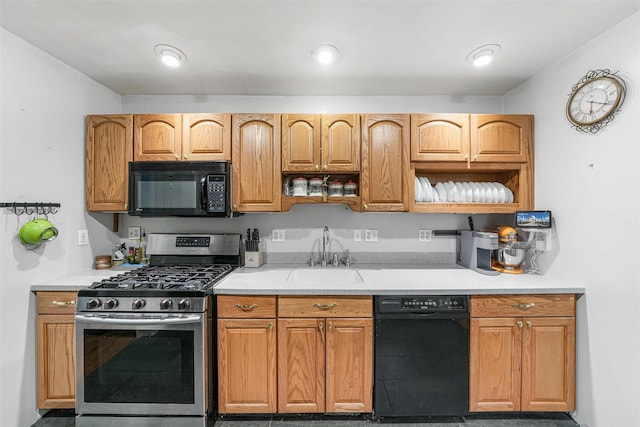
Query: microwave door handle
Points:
[203, 193]
[119, 321]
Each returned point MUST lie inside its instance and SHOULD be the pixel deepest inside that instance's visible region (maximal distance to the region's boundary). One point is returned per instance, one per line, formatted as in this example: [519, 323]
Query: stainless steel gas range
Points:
[145, 342]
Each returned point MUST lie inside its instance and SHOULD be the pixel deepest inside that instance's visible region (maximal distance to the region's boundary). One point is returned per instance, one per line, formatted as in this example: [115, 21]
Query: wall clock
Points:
[595, 99]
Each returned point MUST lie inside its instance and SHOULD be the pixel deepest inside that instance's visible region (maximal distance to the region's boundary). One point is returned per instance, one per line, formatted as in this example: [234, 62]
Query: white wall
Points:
[590, 182]
[43, 107]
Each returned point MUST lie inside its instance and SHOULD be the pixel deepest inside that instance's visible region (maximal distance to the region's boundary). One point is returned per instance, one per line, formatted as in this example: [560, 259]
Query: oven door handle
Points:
[116, 321]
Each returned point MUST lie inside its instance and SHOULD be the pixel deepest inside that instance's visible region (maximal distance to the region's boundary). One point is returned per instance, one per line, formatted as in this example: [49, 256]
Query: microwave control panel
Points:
[216, 193]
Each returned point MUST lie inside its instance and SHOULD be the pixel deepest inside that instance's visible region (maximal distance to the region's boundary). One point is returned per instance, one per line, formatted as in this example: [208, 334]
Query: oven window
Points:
[164, 192]
[139, 366]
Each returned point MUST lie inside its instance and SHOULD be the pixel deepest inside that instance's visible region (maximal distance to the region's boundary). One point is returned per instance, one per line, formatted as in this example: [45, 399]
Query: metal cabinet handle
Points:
[324, 167]
[466, 157]
[524, 306]
[475, 158]
[317, 167]
[519, 323]
[270, 325]
[184, 156]
[365, 207]
[319, 326]
[330, 325]
[63, 303]
[175, 156]
[528, 322]
[324, 306]
[246, 307]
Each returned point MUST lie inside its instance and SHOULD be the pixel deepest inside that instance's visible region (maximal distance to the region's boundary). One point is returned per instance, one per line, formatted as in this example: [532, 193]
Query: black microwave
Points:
[180, 189]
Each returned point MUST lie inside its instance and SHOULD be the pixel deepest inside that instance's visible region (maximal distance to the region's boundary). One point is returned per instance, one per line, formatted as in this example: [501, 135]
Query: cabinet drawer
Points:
[325, 306]
[56, 302]
[523, 305]
[246, 306]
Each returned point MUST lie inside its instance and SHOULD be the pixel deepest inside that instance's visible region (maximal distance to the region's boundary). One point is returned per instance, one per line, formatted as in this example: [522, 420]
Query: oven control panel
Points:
[106, 303]
[193, 241]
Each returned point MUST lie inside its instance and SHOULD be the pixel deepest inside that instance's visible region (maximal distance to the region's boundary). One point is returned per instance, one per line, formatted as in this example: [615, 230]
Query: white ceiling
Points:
[263, 47]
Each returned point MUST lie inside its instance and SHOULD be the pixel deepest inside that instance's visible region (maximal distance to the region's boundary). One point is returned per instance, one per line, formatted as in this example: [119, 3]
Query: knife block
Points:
[254, 259]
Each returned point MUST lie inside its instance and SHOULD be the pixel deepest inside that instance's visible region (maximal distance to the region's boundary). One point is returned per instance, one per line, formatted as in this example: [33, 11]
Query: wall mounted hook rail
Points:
[29, 208]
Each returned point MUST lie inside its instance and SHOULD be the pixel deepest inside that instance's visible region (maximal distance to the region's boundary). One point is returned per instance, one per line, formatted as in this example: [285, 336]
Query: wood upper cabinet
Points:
[524, 362]
[471, 138]
[384, 179]
[172, 137]
[109, 151]
[157, 137]
[325, 354]
[257, 178]
[314, 142]
[246, 354]
[206, 137]
[501, 138]
[55, 350]
[440, 137]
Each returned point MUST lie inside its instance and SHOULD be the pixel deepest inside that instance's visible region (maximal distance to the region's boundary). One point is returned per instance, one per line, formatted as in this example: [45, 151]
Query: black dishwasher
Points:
[421, 355]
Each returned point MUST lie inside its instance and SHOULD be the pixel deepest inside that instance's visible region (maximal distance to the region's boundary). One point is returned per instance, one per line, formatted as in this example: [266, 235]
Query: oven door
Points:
[140, 364]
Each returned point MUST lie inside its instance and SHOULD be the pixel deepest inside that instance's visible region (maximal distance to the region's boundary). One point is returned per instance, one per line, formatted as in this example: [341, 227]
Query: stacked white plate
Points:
[461, 192]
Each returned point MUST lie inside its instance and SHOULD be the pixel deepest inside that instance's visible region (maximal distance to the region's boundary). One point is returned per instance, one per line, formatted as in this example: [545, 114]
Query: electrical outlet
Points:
[135, 232]
[83, 237]
[370, 235]
[424, 235]
[357, 235]
[277, 235]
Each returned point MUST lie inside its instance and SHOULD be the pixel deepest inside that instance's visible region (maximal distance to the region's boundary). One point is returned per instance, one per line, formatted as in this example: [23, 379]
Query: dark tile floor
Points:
[66, 419]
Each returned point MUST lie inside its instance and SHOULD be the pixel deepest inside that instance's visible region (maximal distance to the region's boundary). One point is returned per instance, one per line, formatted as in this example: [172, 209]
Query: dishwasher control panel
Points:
[423, 303]
[433, 303]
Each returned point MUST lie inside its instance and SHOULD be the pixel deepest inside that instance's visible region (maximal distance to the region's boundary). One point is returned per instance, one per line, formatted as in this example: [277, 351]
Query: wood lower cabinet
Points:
[522, 354]
[109, 151]
[325, 354]
[246, 354]
[55, 350]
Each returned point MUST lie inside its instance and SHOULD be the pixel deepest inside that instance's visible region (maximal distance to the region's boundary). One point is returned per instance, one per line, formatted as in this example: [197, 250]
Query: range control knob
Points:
[111, 303]
[184, 304]
[166, 304]
[138, 303]
[94, 303]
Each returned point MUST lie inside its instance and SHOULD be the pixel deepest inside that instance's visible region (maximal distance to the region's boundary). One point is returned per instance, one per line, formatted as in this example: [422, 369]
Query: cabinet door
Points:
[439, 137]
[501, 138]
[301, 142]
[256, 162]
[206, 137]
[494, 369]
[157, 137]
[246, 366]
[340, 143]
[349, 365]
[56, 361]
[109, 151]
[385, 163]
[548, 364]
[301, 361]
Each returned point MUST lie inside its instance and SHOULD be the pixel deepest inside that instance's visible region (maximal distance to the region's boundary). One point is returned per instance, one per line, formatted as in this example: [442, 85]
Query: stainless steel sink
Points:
[321, 276]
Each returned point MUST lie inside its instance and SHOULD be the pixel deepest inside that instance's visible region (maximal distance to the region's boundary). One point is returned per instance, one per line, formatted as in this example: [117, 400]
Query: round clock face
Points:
[594, 101]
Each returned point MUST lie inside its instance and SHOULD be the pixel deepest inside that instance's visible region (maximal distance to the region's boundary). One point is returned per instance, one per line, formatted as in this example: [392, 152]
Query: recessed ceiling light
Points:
[170, 56]
[483, 55]
[325, 53]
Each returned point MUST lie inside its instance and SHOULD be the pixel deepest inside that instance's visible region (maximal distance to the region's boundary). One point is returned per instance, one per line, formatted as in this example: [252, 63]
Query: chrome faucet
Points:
[325, 242]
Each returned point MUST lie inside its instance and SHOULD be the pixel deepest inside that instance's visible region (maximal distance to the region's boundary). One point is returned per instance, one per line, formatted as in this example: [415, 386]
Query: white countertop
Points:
[83, 279]
[387, 280]
[366, 279]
